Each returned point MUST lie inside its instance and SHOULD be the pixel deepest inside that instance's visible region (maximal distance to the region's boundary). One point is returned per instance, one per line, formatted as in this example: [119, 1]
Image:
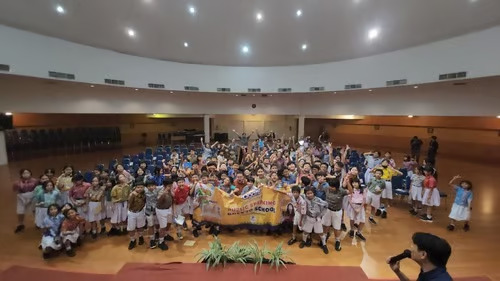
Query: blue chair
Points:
[149, 156]
[168, 149]
[100, 167]
[148, 162]
[141, 155]
[184, 151]
[87, 176]
[159, 157]
[112, 164]
[126, 156]
[148, 151]
[404, 171]
[126, 162]
[135, 167]
[398, 186]
[151, 169]
[135, 158]
[159, 163]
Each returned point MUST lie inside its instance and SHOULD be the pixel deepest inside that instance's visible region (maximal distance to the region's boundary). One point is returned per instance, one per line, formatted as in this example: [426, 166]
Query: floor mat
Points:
[22, 273]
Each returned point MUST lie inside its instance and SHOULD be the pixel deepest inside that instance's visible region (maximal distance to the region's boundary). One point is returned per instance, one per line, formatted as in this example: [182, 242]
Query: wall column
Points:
[3, 149]
[206, 128]
[300, 129]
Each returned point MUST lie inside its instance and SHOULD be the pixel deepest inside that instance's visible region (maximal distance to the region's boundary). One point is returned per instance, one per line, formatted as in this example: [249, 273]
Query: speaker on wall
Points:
[5, 122]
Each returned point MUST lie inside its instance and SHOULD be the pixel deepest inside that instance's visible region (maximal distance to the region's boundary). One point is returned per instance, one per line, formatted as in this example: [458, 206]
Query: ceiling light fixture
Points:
[373, 33]
[8, 113]
[136, 89]
[237, 95]
[186, 44]
[131, 32]
[245, 49]
[415, 87]
[171, 92]
[192, 10]
[299, 13]
[410, 116]
[92, 86]
[60, 9]
[498, 116]
[304, 47]
[259, 16]
[370, 90]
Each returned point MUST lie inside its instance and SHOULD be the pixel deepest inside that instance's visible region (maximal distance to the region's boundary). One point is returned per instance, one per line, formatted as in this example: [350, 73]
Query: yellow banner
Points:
[261, 207]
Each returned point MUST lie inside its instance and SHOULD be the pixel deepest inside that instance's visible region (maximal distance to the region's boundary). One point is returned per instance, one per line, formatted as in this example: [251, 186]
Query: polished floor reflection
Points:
[474, 253]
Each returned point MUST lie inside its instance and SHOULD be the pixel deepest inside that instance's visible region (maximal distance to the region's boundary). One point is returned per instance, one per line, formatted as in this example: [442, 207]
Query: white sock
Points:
[323, 239]
[304, 236]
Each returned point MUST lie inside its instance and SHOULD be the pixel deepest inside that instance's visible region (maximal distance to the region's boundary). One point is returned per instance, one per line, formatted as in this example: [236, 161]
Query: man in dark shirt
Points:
[431, 253]
[415, 145]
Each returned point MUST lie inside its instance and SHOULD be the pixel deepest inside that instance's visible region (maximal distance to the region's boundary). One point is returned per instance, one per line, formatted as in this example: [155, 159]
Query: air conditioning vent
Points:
[316, 89]
[254, 90]
[284, 90]
[4, 67]
[61, 75]
[243, 95]
[191, 88]
[156, 86]
[226, 90]
[455, 75]
[114, 82]
[353, 86]
[264, 95]
[396, 82]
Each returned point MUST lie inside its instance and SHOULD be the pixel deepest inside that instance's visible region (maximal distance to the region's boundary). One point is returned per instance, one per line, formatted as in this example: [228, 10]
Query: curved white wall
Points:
[34, 55]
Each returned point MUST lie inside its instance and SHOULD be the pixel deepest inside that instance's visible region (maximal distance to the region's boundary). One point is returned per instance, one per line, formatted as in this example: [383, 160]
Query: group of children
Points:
[323, 186]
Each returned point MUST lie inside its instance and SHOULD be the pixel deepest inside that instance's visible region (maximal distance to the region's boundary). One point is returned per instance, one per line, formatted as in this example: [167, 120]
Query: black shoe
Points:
[356, 225]
[384, 215]
[157, 235]
[269, 233]
[79, 242]
[413, 212]
[112, 232]
[169, 238]
[360, 236]
[292, 241]
[302, 244]
[103, 230]
[152, 244]
[212, 230]
[163, 246]
[195, 233]
[372, 221]
[216, 232]
[337, 246]
[39, 247]
[70, 252]
[46, 256]
[123, 232]
[185, 226]
[141, 240]
[19, 228]
[325, 249]
[426, 219]
[132, 245]
[378, 212]
[94, 235]
[451, 227]
[351, 233]
[466, 227]
[309, 242]
[343, 227]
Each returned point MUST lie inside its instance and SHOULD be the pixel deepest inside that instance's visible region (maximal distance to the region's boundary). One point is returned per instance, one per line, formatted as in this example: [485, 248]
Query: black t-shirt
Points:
[437, 274]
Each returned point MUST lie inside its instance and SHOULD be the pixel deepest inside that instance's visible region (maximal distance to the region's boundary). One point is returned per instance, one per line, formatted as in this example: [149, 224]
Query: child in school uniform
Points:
[24, 188]
[136, 218]
[299, 206]
[107, 211]
[152, 192]
[315, 210]
[462, 204]
[388, 172]
[43, 200]
[373, 191]
[181, 206]
[164, 213]
[356, 210]
[64, 183]
[417, 180]
[70, 232]
[431, 197]
[37, 192]
[333, 217]
[94, 196]
[51, 238]
[77, 196]
[119, 197]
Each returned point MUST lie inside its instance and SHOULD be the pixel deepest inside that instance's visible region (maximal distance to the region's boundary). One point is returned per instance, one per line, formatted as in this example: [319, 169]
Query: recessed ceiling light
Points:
[237, 95]
[373, 33]
[192, 10]
[92, 86]
[259, 16]
[415, 87]
[137, 89]
[186, 44]
[410, 116]
[253, 95]
[299, 13]
[60, 9]
[171, 92]
[245, 49]
[131, 32]
[370, 90]
[8, 113]
[270, 95]
[304, 47]
[334, 93]
[498, 116]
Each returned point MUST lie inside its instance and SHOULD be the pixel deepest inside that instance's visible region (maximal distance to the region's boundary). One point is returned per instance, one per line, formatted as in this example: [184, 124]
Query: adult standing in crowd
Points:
[433, 149]
[415, 146]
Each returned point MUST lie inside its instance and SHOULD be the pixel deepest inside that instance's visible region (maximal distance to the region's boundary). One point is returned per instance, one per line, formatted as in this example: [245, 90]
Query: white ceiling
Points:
[334, 30]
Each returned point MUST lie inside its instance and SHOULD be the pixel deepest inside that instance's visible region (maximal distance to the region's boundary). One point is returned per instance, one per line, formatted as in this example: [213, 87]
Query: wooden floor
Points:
[474, 253]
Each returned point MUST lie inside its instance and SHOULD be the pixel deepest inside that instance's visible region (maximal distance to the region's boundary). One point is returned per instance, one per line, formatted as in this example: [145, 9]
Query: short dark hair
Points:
[315, 167]
[305, 180]
[334, 182]
[307, 189]
[150, 182]
[379, 170]
[77, 177]
[340, 164]
[167, 181]
[438, 250]
[467, 182]
[250, 179]
[296, 188]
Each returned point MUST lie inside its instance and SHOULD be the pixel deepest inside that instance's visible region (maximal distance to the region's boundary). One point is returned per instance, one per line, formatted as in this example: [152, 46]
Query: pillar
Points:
[300, 129]
[3, 149]
[206, 127]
